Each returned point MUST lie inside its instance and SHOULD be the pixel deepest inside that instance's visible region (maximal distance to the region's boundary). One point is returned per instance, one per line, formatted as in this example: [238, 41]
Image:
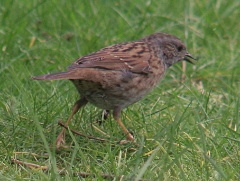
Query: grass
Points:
[184, 130]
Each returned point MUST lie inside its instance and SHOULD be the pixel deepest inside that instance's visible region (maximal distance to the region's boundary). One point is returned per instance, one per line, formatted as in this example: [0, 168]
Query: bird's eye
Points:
[180, 48]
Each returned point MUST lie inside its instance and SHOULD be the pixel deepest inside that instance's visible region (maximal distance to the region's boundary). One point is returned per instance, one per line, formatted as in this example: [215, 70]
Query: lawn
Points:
[186, 129]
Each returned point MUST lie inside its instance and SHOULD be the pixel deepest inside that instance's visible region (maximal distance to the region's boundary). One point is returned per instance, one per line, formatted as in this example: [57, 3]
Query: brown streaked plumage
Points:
[119, 75]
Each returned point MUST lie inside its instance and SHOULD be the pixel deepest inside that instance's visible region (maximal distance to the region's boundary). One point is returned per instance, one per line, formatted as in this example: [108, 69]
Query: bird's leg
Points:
[105, 114]
[117, 117]
[78, 104]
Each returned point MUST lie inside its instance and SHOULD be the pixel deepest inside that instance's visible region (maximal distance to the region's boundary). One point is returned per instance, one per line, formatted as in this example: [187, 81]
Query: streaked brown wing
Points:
[131, 56]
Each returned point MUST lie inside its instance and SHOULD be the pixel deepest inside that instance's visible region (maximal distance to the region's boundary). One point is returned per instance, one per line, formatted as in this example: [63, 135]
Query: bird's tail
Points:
[54, 76]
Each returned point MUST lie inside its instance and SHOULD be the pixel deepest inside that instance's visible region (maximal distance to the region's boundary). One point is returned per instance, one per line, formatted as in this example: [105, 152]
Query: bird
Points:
[120, 75]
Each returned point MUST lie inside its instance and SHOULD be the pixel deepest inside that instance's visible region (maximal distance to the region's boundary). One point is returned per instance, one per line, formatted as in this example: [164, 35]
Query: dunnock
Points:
[119, 75]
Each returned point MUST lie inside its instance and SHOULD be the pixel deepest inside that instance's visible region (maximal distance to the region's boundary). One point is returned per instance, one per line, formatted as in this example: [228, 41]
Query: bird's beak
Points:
[189, 58]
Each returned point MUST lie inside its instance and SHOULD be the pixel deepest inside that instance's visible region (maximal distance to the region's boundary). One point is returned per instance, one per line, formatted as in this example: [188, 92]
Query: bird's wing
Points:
[132, 56]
